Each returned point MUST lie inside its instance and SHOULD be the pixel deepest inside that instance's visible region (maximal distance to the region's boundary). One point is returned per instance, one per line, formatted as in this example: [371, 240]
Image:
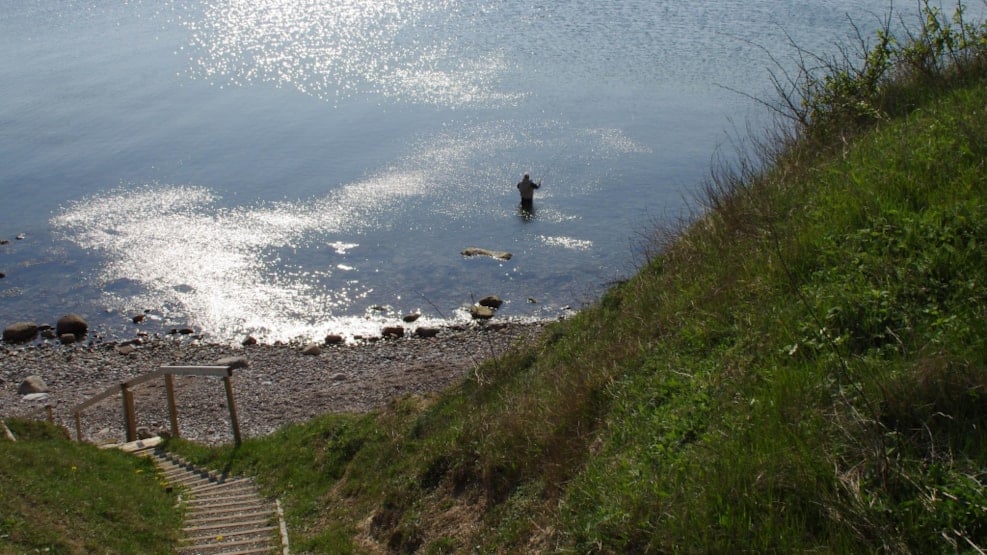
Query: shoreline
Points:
[280, 384]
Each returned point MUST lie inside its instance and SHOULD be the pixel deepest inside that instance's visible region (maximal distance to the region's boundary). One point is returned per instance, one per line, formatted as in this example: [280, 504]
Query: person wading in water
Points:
[527, 188]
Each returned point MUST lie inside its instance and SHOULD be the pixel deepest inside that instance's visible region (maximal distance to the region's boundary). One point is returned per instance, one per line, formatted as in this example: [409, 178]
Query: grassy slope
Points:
[58, 496]
[803, 368]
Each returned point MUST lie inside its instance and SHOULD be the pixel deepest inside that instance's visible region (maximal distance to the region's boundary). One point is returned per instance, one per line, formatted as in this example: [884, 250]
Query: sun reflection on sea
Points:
[402, 49]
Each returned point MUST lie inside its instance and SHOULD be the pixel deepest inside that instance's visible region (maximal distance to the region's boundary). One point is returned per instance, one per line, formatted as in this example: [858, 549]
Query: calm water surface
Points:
[292, 168]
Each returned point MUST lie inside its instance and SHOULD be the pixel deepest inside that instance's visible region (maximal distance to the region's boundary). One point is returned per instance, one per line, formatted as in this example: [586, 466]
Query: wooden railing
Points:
[168, 372]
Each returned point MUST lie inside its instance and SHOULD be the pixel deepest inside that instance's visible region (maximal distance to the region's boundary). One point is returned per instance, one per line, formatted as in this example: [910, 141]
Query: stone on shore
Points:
[20, 332]
[233, 362]
[312, 349]
[32, 384]
[333, 339]
[409, 318]
[476, 251]
[479, 312]
[72, 324]
[426, 333]
[394, 332]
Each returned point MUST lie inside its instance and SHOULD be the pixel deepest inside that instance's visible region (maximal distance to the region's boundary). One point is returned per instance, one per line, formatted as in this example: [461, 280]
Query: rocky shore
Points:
[280, 384]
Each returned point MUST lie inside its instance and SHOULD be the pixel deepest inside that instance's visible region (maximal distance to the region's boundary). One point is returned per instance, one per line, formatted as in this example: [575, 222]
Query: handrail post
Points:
[129, 416]
[232, 404]
[78, 426]
[172, 408]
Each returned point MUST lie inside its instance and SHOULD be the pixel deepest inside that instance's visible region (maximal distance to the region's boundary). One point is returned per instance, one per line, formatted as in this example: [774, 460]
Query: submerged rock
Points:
[476, 251]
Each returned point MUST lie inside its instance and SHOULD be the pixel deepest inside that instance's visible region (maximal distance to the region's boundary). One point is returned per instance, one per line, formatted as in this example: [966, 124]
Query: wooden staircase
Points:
[222, 517]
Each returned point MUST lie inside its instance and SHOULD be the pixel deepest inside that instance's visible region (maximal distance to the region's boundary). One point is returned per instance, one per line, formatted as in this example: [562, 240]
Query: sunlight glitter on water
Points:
[221, 268]
[334, 50]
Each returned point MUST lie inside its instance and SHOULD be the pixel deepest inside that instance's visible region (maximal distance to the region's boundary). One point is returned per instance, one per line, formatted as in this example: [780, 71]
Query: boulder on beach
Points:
[409, 318]
[333, 339]
[479, 312]
[20, 332]
[426, 332]
[232, 362]
[73, 324]
[32, 384]
[392, 332]
[312, 349]
[476, 251]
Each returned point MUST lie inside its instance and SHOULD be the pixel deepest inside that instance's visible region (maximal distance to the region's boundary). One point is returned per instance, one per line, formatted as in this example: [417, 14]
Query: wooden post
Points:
[172, 409]
[232, 404]
[51, 415]
[78, 426]
[129, 414]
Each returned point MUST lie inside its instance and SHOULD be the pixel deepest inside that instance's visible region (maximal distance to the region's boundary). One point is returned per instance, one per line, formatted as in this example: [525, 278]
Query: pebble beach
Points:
[280, 383]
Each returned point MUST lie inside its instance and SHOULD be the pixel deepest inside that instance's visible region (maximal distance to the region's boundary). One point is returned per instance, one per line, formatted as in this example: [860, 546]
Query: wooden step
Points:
[222, 516]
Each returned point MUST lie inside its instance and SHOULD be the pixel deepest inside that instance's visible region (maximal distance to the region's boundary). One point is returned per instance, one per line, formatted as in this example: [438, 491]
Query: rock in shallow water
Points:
[71, 324]
[20, 332]
[476, 251]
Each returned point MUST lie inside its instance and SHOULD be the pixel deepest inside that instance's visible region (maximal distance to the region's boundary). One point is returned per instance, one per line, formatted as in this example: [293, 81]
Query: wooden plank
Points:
[93, 400]
[129, 413]
[218, 371]
[130, 420]
[232, 404]
[172, 407]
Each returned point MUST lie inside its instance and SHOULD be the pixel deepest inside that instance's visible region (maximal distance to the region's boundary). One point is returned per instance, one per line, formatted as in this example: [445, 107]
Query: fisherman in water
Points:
[527, 188]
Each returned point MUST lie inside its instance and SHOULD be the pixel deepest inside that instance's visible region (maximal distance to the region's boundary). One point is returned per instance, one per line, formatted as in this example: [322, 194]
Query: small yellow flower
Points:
[74, 468]
[140, 470]
[219, 538]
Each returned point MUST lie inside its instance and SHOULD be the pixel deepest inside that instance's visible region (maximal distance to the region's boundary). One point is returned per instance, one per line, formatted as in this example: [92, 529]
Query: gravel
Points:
[280, 385]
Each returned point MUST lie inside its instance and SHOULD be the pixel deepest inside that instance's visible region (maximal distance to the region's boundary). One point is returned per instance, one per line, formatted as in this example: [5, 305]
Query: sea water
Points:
[292, 168]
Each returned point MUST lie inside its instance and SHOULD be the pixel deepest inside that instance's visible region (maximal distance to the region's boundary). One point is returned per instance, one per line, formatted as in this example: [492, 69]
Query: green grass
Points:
[801, 368]
[59, 496]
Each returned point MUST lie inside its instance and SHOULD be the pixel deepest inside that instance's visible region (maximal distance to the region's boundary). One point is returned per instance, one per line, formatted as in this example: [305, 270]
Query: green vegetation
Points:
[59, 496]
[802, 367]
